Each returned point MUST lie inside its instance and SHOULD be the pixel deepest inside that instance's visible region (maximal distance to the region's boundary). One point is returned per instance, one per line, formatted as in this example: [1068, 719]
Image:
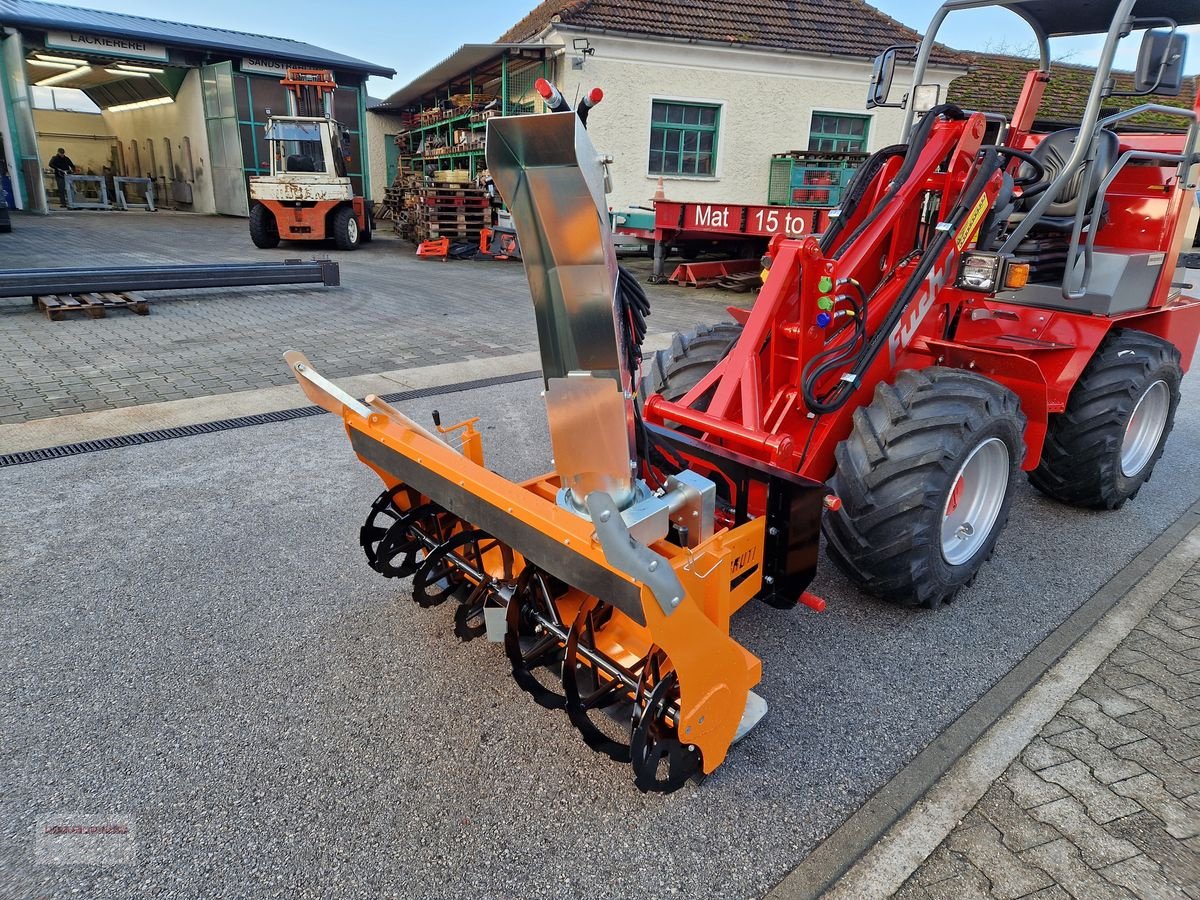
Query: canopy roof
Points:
[1067, 17]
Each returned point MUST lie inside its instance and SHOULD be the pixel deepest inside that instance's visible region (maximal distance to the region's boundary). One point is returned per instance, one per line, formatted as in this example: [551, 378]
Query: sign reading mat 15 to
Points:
[106, 45]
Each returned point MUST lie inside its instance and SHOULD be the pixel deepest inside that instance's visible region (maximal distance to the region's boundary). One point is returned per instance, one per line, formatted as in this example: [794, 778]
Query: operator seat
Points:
[1045, 247]
[298, 162]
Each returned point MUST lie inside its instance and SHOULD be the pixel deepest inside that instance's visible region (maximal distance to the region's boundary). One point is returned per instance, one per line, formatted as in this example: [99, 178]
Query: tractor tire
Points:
[344, 226]
[1103, 447]
[263, 229]
[925, 481]
[692, 355]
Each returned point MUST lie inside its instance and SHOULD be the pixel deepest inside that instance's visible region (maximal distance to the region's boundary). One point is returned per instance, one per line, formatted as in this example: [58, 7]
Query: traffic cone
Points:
[659, 193]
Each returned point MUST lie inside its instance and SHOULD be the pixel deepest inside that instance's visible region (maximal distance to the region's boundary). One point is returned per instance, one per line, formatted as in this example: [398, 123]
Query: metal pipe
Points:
[1091, 116]
[81, 280]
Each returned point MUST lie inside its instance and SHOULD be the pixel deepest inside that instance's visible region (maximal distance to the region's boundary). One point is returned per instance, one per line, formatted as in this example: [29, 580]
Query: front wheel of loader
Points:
[263, 229]
[344, 227]
[692, 355]
[926, 480]
[1102, 448]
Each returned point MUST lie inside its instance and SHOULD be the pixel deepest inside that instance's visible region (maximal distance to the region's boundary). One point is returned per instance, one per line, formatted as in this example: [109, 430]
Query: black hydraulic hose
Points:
[859, 182]
[919, 138]
[966, 201]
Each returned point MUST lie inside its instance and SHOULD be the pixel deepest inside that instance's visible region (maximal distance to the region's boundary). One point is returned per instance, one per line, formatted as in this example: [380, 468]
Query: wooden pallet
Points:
[94, 306]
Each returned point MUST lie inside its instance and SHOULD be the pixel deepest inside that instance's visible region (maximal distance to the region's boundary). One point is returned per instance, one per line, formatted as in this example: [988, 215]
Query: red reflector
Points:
[812, 601]
[833, 502]
[596, 95]
[542, 86]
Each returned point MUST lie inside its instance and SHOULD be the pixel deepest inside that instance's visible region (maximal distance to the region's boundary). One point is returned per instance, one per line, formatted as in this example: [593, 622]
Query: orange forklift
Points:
[308, 196]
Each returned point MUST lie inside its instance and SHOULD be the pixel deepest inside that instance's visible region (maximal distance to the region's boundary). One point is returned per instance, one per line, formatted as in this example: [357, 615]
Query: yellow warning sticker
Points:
[968, 230]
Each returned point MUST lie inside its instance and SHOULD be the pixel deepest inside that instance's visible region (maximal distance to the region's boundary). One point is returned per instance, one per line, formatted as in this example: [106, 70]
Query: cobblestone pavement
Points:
[1105, 803]
[393, 311]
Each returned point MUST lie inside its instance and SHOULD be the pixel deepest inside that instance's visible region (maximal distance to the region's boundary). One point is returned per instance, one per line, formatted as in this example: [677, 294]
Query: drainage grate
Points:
[282, 415]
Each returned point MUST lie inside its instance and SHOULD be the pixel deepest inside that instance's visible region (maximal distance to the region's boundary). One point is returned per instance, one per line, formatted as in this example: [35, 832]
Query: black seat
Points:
[299, 163]
[1053, 152]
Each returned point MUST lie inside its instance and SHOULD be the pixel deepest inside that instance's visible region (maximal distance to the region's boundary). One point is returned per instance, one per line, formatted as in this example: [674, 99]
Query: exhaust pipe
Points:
[552, 180]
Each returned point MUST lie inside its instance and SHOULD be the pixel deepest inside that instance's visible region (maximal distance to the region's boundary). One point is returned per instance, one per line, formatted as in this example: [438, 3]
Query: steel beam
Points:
[83, 280]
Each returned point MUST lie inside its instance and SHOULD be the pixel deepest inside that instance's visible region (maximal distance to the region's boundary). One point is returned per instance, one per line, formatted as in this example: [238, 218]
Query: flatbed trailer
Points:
[687, 222]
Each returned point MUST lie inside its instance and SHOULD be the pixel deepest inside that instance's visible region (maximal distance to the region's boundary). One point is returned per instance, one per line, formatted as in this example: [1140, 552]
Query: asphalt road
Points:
[191, 639]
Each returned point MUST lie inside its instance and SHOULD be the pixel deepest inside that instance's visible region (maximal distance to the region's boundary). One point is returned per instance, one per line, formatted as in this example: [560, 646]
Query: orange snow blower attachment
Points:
[611, 580]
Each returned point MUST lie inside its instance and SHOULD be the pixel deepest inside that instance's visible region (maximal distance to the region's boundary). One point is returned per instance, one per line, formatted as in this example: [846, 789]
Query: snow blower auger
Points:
[610, 576]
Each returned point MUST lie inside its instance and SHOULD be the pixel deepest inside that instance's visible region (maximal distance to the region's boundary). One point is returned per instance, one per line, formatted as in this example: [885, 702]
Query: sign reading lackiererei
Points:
[105, 45]
[258, 65]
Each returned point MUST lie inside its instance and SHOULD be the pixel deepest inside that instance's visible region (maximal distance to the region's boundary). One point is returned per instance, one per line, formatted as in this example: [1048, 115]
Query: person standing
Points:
[62, 166]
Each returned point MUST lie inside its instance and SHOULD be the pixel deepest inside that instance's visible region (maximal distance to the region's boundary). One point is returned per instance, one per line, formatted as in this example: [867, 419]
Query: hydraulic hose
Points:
[919, 137]
[992, 160]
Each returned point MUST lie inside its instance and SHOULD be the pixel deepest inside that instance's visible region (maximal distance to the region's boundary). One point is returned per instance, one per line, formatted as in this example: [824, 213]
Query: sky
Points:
[410, 37]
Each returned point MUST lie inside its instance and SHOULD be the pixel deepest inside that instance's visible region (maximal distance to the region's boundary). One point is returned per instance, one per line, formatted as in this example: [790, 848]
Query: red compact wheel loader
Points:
[989, 299]
[308, 196]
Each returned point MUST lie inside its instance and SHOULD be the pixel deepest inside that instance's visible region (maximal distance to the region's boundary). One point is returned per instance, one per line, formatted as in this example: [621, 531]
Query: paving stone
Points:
[1101, 803]
[1182, 714]
[1062, 861]
[1178, 687]
[1175, 662]
[1061, 723]
[1018, 830]
[1171, 618]
[1113, 704]
[1008, 875]
[910, 890]
[1143, 876]
[1054, 892]
[1182, 821]
[1180, 743]
[1039, 754]
[972, 886]
[1029, 789]
[1106, 766]
[1108, 731]
[1167, 635]
[1180, 863]
[1097, 846]
[1116, 676]
[1181, 780]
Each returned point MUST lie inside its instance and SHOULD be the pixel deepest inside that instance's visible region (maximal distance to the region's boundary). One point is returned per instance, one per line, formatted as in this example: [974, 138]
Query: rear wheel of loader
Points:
[344, 226]
[925, 479]
[692, 355]
[264, 231]
[1103, 447]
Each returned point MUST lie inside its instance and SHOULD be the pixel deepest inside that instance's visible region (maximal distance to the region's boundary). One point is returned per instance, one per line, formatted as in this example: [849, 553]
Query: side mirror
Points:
[1160, 63]
[881, 78]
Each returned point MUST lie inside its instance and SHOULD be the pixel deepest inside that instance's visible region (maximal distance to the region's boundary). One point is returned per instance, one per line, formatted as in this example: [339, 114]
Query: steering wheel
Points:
[1039, 171]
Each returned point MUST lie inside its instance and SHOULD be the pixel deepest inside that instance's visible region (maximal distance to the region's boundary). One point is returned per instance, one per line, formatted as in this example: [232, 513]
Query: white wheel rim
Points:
[974, 501]
[352, 230]
[1145, 428]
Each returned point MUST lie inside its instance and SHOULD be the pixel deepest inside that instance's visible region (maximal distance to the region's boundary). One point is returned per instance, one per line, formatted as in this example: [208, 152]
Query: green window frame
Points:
[838, 132]
[683, 138]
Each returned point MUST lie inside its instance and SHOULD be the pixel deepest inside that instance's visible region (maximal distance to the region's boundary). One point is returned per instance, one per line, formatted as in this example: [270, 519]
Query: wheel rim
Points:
[974, 501]
[352, 230]
[1145, 428]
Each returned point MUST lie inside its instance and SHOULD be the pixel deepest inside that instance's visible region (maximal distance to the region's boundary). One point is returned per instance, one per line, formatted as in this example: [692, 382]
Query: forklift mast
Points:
[311, 91]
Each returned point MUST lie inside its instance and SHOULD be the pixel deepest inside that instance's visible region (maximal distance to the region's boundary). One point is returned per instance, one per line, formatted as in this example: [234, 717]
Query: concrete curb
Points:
[875, 850]
[54, 431]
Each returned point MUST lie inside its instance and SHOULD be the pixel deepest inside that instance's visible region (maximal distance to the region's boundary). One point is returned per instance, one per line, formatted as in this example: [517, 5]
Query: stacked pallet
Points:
[457, 212]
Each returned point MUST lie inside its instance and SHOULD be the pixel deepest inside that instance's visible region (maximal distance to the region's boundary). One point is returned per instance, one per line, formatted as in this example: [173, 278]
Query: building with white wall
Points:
[181, 104]
[702, 94]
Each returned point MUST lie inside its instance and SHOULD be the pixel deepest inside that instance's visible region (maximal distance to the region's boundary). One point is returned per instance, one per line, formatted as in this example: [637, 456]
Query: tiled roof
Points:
[994, 82]
[36, 14]
[825, 27]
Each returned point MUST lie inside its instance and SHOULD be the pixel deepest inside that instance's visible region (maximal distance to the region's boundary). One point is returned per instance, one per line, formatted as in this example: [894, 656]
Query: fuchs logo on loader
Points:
[744, 562]
[903, 333]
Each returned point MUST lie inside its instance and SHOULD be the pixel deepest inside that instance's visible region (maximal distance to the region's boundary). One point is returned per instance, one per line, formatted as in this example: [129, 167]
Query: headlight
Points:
[980, 272]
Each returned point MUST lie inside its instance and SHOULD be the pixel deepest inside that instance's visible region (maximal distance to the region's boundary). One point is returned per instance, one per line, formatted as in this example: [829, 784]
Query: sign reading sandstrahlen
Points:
[260, 65]
[106, 45]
